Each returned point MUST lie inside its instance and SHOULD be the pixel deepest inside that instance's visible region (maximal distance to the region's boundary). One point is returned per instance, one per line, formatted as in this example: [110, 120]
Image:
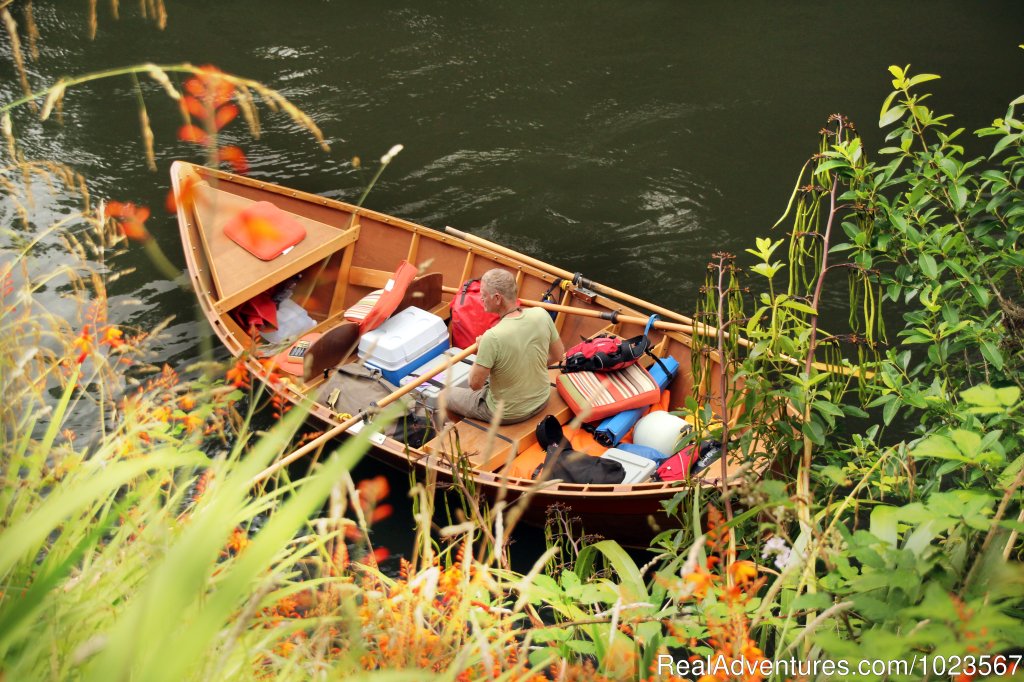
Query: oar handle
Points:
[353, 420]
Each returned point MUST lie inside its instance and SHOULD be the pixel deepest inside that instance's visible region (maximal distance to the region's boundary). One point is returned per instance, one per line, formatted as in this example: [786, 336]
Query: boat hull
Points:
[352, 251]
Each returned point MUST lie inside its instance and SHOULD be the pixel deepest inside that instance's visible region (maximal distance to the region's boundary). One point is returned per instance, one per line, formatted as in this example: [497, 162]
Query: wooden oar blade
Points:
[424, 292]
[330, 350]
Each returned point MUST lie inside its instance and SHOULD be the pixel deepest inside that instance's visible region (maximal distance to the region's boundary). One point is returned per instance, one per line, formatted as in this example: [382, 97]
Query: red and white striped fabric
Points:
[608, 393]
[362, 308]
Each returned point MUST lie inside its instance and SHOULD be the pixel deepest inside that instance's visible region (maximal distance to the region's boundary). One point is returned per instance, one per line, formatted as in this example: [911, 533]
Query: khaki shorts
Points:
[473, 404]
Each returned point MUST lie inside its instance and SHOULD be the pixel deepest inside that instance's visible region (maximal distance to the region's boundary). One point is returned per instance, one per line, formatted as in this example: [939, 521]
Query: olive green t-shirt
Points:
[516, 352]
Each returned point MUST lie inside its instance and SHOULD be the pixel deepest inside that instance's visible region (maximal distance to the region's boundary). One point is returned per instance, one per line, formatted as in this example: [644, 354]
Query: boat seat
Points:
[602, 394]
[509, 441]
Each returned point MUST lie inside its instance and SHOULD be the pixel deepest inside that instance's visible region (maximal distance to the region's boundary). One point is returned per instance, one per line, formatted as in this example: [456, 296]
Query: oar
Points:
[351, 421]
[689, 327]
[704, 330]
[565, 274]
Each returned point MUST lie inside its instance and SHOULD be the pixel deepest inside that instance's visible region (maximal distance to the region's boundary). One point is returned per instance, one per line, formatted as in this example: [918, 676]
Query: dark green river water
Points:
[626, 140]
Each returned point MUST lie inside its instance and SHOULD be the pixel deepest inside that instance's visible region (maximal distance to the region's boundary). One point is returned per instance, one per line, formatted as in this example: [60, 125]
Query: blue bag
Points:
[614, 428]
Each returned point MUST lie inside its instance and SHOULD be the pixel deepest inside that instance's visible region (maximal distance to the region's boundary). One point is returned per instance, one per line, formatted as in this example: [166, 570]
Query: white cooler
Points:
[404, 342]
[638, 469]
[456, 376]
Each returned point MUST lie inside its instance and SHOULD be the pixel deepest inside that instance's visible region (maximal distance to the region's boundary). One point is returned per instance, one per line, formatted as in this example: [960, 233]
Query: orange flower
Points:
[210, 84]
[238, 541]
[112, 336]
[191, 422]
[193, 107]
[372, 490]
[239, 374]
[130, 218]
[84, 343]
[225, 115]
[380, 513]
[701, 581]
[235, 156]
[742, 571]
[193, 133]
[185, 194]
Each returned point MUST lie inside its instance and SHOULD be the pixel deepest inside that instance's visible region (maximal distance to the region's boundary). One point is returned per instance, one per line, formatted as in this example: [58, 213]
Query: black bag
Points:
[570, 465]
[354, 387]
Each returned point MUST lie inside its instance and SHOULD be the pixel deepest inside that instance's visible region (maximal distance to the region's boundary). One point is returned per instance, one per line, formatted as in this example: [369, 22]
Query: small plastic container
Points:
[638, 469]
[403, 343]
[456, 376]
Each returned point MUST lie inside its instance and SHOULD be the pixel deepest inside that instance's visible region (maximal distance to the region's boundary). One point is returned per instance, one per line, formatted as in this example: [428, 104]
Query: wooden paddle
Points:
[352, 421]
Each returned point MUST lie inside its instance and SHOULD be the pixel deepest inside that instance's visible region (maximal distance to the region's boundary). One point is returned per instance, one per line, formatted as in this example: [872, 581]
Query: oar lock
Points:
[582, 288]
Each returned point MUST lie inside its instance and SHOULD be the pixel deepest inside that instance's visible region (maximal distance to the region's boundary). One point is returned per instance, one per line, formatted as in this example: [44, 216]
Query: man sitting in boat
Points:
[512, 360]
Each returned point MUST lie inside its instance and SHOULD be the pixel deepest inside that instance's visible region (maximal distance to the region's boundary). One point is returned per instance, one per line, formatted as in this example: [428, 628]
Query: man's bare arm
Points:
[478, 376]
[556, 351]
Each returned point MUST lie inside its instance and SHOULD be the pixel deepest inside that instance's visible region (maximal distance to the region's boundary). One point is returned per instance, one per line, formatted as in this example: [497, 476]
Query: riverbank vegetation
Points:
[888, 527]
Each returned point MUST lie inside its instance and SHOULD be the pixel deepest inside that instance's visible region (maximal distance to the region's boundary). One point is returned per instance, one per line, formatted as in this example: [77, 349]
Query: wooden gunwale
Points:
[234, 338]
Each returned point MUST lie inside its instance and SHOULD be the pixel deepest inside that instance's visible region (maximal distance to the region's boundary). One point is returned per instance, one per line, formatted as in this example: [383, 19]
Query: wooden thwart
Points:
[509, 440]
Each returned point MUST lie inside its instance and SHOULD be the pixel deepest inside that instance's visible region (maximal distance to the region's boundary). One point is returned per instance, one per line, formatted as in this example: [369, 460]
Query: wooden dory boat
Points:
[350, 251]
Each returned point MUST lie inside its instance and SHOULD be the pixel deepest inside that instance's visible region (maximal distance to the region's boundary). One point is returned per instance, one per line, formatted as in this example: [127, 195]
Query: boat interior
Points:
[348, 253]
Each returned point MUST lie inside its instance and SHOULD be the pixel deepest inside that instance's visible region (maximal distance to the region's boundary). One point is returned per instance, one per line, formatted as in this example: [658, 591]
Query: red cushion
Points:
[264, 230]
[608, 393]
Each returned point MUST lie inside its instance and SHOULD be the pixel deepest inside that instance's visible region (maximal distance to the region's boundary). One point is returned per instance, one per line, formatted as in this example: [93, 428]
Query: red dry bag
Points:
[469, 319]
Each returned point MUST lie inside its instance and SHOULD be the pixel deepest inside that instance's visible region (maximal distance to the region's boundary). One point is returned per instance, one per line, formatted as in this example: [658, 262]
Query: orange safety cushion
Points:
[530, 460]
[291, 360]
[391, 296]
[608, 393]
[264, 230]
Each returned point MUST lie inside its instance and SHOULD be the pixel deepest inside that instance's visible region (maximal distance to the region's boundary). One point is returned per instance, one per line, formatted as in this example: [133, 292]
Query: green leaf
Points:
[887, 103]
[937, 447]
[928, 265]
[625, 568]
[959, 197]
[543, 588]
[541, 658]
[585, 647]
[813, 430]
[992, 354]
[968, 442]
[802, 307]
[812, 601]
[891, 116]
[826, 166]
[884, 523]
[834, 474]
[890, 410]
[922, 78]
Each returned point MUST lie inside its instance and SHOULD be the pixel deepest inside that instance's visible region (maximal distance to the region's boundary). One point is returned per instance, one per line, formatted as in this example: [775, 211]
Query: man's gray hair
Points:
[498, 281]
